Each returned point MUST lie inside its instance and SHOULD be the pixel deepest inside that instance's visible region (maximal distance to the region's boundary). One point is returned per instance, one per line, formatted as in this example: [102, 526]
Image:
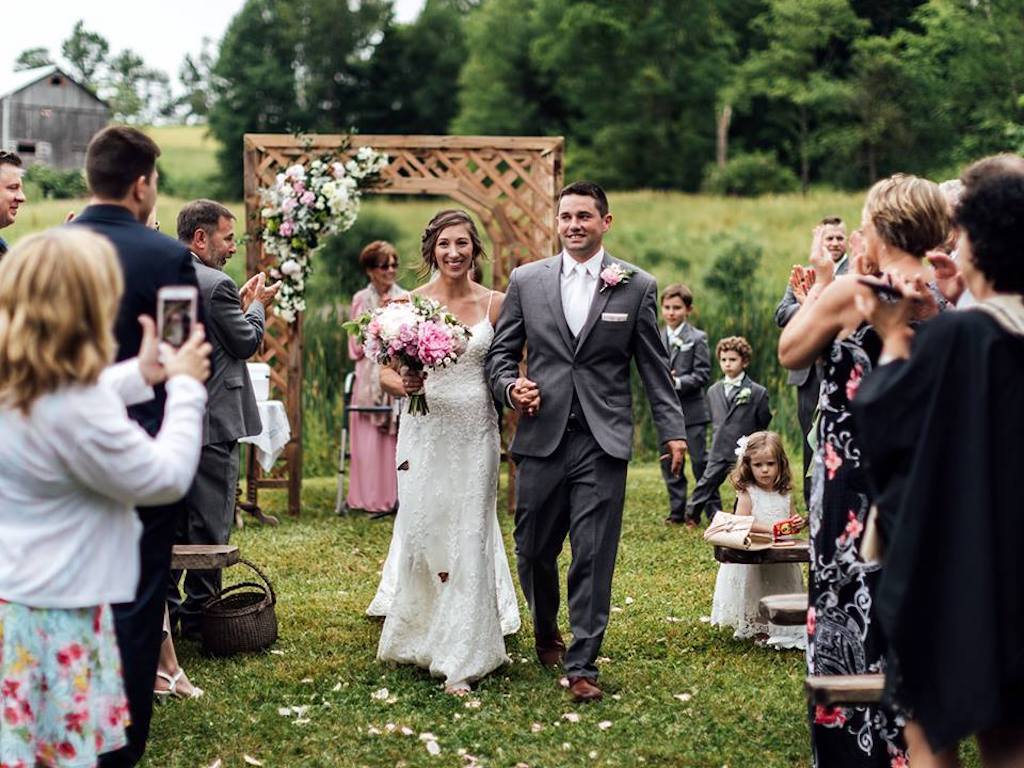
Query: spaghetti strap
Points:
[487, 312]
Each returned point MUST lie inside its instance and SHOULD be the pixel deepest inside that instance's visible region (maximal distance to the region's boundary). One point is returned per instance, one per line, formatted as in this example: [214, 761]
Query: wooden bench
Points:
[845, 689]
[795, 552]
[203, 557]
[785, 610]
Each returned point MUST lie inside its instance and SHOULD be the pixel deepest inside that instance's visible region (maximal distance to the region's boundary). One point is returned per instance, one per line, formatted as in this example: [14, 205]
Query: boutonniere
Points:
[614, 275]
[743, 396]
[675, 342]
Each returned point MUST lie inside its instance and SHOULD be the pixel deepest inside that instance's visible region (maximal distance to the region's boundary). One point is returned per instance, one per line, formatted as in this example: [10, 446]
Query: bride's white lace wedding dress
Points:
[446, 591]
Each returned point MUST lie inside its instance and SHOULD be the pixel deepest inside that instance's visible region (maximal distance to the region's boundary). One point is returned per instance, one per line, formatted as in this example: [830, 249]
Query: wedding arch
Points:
[510, 183]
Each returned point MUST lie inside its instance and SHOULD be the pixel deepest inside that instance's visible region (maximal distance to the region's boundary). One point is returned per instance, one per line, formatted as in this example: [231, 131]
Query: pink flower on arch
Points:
[811, 620]
[287, 229]
[833, 461]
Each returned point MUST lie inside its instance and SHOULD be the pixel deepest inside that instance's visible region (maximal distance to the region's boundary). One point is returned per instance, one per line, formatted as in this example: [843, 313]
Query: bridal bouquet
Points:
[417, 334]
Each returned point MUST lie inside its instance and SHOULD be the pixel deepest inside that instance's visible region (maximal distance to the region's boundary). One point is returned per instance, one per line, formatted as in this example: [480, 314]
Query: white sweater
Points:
[71, 473]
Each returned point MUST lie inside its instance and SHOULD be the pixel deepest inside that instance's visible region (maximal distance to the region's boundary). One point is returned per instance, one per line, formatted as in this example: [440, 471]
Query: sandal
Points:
[172, 688]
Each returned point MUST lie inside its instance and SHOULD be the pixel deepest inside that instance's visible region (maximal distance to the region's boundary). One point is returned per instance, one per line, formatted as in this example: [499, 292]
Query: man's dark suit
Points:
[690, 360]
[741, 412]
[231, 413]
[806, 380]
[149, 261]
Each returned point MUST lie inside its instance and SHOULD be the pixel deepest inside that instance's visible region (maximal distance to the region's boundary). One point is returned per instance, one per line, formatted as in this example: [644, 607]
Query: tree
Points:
[135, 92]
[85, 52]
[32, 58]
[196, 77]
[801, 67]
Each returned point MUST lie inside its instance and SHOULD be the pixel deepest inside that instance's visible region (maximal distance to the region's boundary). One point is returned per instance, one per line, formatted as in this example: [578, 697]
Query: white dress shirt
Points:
[579, 284]
[71, 473]
[731, 384]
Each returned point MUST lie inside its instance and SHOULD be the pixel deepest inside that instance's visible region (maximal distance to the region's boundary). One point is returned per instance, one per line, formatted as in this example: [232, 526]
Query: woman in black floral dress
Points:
[903, 218]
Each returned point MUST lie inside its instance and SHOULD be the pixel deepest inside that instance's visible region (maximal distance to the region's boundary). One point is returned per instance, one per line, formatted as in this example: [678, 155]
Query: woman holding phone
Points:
[72, 468]
[903, 218]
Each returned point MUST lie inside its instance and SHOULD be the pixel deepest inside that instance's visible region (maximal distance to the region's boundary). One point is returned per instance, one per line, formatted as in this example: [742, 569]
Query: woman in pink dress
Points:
[373, 483]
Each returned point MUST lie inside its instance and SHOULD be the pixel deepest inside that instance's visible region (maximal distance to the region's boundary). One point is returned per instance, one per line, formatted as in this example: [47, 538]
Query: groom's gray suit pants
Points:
[578, 490]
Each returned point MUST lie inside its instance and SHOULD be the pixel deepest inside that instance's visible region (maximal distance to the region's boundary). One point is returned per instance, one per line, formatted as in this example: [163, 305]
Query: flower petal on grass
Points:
[572, 717]
[381, 694]
[630, 601]
[472, 704]
[216, 763]
[536, 728]
[683, 697]
[604, 725]
[433, 748]
[249, 760]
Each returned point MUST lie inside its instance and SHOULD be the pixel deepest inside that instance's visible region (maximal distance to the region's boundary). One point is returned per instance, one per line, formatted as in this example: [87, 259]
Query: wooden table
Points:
[845, 689]
[798, 552]
[203, 557]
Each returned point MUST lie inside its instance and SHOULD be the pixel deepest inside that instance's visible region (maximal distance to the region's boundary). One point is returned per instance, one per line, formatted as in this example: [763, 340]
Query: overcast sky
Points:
[161, 31]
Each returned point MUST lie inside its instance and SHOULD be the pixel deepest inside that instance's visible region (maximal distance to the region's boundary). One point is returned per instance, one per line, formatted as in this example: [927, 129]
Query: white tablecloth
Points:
[275, 435]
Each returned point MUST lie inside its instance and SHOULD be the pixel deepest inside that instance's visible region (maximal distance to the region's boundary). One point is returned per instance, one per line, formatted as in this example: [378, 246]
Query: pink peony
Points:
[308, 198]
[287, 229]
[611, 277]
[435, 343]
[289, 204]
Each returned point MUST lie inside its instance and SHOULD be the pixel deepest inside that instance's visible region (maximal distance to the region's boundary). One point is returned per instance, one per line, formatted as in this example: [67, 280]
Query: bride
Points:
[446, 591]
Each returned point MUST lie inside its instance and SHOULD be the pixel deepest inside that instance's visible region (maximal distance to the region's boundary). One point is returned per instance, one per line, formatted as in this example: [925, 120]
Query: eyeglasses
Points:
[389, 267]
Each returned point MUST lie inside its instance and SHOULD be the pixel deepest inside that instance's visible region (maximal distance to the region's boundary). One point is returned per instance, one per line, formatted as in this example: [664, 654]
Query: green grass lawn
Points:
[744, 706]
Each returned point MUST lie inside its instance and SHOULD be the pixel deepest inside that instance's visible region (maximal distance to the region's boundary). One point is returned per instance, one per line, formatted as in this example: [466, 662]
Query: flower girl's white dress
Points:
[739, 588]
[446, 590]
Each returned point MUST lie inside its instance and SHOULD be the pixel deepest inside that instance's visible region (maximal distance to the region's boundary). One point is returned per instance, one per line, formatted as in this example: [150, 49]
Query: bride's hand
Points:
[413, 380]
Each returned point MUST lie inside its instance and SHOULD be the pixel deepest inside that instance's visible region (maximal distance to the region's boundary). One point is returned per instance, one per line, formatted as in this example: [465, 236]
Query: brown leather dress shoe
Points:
[550, 650]
[584, 689]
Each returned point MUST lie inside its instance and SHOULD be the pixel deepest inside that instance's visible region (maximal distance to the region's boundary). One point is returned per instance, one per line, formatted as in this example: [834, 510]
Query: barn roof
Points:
[12, 82]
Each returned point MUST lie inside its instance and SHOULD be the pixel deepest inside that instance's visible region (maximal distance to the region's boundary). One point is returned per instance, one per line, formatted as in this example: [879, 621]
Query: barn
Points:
[48, 117]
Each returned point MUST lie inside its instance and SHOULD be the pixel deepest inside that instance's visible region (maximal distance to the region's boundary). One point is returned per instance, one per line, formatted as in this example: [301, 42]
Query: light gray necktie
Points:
[578, 304]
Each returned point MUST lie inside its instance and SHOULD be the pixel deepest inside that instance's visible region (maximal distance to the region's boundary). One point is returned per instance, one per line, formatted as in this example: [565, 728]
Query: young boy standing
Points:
[739, 407]
[690, 361]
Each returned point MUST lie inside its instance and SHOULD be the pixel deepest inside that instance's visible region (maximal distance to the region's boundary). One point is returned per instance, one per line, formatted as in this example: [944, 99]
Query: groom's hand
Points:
[525, 396]
[677, 454]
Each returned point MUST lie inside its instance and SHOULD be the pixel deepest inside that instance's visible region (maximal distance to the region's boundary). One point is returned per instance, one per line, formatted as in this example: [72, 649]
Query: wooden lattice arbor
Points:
[510, 183]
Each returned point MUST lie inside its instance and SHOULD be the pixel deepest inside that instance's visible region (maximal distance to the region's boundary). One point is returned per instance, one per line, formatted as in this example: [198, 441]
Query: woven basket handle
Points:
[270, 587]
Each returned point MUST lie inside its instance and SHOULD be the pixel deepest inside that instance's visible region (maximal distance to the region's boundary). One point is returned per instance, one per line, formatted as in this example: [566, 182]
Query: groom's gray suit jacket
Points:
[622, 326]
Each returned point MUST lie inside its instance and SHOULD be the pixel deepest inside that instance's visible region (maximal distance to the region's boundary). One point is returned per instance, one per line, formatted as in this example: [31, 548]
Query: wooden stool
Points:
[845, 689]
[791, 552]
[785, 610]
[203, 557]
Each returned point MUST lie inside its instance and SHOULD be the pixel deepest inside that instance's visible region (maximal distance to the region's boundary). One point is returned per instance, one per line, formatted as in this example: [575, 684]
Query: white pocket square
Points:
[686, 346]
[614, 317]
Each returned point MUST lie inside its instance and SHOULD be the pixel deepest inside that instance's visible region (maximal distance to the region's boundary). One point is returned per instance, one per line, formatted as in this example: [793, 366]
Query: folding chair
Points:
[344, 450]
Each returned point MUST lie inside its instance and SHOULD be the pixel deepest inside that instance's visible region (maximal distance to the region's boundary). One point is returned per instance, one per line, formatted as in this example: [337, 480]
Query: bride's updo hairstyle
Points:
[908, 213]
[450, 217]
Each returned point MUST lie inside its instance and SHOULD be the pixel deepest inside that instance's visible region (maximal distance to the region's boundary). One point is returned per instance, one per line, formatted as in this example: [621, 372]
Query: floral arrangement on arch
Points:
[305, 204]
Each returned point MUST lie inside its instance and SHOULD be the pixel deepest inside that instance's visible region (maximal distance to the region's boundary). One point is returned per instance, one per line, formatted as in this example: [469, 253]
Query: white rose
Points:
[291, 267]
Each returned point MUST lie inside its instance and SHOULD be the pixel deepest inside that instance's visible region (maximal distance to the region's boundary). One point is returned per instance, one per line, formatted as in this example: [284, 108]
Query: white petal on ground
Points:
[536, 728]
[251, 760]
[433, 748]
[428, 736]
[604, 725]
[216, 763]
[405, 730]
[284, 711]
[381, 694]
[572, 717]
[683, 697]
[306, 680]
[373, 731]
[472, 704]
[705, 619]
[300, 721]
[630, 601]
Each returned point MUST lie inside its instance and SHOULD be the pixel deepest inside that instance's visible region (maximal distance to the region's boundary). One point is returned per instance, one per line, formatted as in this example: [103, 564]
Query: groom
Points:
[583, 317]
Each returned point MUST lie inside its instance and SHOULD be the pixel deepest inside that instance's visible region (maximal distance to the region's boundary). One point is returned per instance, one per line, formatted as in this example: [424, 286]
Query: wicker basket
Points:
[241, 619]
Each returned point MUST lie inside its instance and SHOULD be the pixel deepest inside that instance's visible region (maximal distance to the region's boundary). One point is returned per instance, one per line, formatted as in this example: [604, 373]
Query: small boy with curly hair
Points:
[739, 407]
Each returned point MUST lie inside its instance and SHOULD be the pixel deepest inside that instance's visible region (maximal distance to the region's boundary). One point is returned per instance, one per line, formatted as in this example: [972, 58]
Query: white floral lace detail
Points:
[739, 588]
[446, 589]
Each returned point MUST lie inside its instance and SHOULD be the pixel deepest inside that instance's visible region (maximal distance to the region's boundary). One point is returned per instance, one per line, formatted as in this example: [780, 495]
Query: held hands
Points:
[525, 396]
[788, 527]
[191, 359]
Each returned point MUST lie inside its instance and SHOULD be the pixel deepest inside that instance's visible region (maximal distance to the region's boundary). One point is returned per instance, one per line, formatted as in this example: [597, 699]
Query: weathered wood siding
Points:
[59, 117]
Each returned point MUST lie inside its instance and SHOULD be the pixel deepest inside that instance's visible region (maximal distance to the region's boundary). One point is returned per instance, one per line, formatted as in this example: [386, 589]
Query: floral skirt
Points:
[62, 700]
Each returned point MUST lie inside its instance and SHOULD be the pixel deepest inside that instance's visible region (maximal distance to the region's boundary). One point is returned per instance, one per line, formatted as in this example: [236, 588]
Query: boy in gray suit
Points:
[690, 361]
[739, 406]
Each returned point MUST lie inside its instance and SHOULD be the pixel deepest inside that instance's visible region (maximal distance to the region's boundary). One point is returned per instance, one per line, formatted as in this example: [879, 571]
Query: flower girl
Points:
[762, 480]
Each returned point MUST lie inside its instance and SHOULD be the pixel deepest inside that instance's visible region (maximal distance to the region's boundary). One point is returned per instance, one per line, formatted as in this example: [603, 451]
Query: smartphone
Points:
[882, 289]
[176, 308]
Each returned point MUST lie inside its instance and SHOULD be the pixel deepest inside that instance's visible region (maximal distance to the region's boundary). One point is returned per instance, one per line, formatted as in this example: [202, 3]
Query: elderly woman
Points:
[373, 483]
[903, 218]
[941, 429]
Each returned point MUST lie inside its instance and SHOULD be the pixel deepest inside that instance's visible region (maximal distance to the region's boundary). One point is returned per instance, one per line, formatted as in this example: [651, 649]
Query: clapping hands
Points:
[256, 288]
[801, 280]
